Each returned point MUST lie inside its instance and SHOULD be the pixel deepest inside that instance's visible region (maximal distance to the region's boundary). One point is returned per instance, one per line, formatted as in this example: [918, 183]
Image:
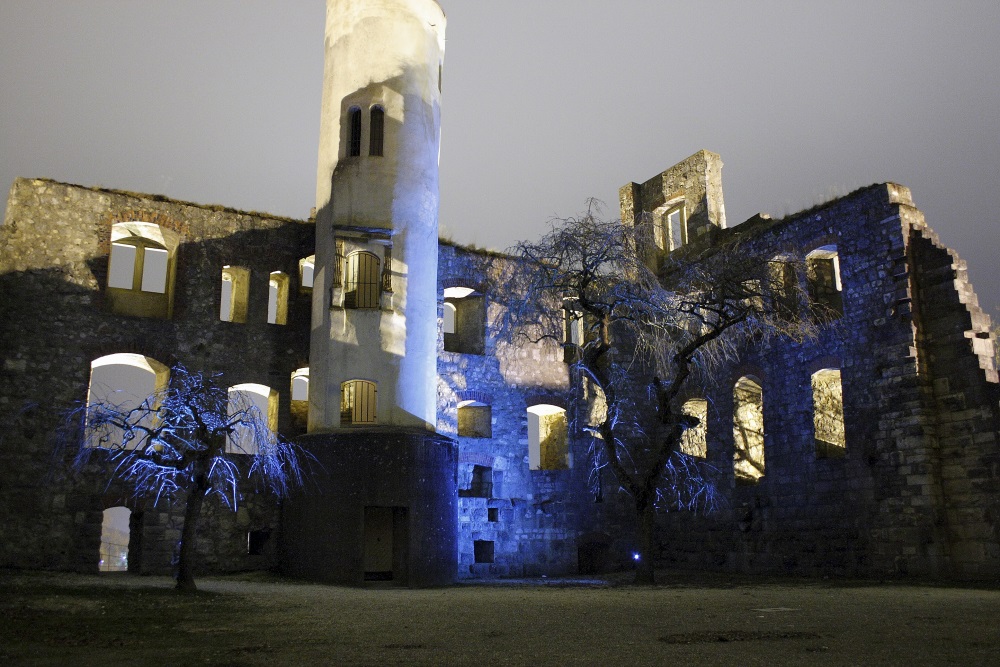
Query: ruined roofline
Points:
[165, 199]
[473, 248]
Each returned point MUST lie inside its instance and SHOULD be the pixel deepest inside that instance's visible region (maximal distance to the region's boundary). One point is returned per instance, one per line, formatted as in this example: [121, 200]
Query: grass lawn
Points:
[65, 619]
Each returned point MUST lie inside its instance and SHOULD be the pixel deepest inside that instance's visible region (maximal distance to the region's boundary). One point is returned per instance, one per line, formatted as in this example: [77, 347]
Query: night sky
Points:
[545, 103]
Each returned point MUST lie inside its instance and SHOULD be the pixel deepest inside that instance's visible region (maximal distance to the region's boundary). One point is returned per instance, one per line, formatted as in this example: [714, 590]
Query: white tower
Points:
[374, 321]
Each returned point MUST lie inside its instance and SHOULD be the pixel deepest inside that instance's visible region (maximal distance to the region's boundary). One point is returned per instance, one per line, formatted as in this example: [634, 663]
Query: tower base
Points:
[381, 505]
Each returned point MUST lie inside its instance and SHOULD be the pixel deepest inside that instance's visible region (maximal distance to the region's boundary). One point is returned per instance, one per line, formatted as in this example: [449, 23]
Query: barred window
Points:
[362, 283]
[376, 132]
[354, 144]
[358, 402]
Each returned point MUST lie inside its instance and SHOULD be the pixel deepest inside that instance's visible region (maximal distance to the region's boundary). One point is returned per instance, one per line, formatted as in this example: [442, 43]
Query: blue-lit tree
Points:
[189, 441]
[644, 339]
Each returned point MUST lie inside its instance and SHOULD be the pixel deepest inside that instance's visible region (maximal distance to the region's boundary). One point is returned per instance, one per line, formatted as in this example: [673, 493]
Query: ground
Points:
[690, 619]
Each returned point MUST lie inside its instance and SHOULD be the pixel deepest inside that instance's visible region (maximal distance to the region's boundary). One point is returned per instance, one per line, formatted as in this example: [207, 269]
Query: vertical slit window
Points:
[376, 132]
[748, 430]
[277, 298]
[354, 143]
[828, 413]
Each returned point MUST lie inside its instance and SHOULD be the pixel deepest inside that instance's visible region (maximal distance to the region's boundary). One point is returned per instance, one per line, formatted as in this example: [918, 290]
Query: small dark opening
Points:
[354, 146]
[376, 132]
[483, 550]
[256, 540]
[493, 514]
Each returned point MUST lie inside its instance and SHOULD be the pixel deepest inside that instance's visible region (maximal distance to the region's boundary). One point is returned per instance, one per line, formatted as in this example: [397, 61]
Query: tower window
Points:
[354, 138]
[362, 283]
[357, 402]
[376, 132]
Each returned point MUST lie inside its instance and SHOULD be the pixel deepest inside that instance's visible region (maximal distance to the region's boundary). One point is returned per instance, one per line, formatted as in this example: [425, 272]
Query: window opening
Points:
[354, 121]
[825, 288]
[235, 294]
[123, 381]
[694, 441]
[548, 438]
[140, 268]
[448, 318]
[828, 413]
[475, 420]
[362, 284]
[492, 514]
[748, 430]
[358, 403]
[468, 335]
[277, 298]
[376, 132]
[257, 400]
[307, 268]
[483, 551]
[300, 396]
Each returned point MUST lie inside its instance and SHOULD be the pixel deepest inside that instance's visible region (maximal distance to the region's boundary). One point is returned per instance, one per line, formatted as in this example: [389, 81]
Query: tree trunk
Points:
[645, 517]
[185, 563]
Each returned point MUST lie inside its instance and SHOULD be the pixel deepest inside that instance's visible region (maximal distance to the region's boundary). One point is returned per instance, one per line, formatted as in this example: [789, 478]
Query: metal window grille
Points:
[357, 402]
[363, 282]
[387, 271]
[338, 265]
[376, 132]
[354, 148]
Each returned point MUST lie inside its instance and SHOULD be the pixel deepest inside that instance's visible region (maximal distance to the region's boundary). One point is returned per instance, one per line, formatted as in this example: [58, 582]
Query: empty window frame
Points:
[376, 132]
[307, 269]
[358, 403]
[828, 413]
[235, 294]
[748, 430]
[277, 298]
[465, 314]
[548, 438]
[300, 396]
[670, 226]
[784, 287]
[694, 441]
[475, 420]
[257, 406]
[823, 277]
[140, 269]
[480, 483]
[354, 132]
[120, 383]
[362, 281]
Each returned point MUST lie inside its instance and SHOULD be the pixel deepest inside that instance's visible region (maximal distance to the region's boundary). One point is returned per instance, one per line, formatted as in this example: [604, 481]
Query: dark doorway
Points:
[386, 536]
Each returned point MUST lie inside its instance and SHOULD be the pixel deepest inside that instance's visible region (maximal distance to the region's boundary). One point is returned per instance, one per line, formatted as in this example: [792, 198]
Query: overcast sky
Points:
[546, 102]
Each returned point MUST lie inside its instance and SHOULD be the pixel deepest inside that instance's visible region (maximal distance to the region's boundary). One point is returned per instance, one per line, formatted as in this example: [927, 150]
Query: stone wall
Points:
[55, 320]
[916, 488]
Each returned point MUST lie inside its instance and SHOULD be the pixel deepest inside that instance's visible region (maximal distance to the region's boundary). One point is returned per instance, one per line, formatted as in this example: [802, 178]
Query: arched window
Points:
[115, 539]
[354, 132]
[358, 403]
[694, 442]
[376, 132]
[123, 381]
[828, 413]
[300, 396]
[468, 335]
[256, 401]
[277, 298]
[748, 430]
[307, 268]
[823, 276]
[141, 269]
[475, 420]
[235, 294]
[362, 281]
[548, 438]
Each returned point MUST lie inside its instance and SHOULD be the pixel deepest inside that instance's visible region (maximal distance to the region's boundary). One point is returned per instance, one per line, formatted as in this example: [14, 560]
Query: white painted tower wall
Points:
[387, 53]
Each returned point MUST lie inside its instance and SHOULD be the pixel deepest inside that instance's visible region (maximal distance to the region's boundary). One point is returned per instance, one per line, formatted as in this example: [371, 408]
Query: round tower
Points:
[382, 502]
[374, 340]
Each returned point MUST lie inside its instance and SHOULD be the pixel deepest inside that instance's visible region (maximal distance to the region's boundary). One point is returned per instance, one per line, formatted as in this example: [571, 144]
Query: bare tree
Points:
[645, 341]
[189, 441]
